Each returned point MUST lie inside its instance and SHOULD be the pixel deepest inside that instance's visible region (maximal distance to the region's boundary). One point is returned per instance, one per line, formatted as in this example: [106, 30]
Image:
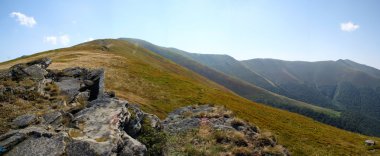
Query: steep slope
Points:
[161, 86]
[242, 88]
[230, 66]
[210, 65]
[342, 84]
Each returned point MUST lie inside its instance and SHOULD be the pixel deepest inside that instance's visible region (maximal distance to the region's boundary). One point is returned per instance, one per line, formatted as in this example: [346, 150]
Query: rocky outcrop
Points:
[200, 125]
[370, 143]
[89, 121]
[81, 119]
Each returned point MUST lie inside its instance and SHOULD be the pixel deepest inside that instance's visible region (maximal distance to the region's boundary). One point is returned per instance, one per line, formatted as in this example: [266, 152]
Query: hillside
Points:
[342, 85]
[67, 112]
[237, 77]
[249, 91]
[160, 86]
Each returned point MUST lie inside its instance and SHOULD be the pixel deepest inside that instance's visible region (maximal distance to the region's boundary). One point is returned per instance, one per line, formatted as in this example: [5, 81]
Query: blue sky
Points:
[308, 30]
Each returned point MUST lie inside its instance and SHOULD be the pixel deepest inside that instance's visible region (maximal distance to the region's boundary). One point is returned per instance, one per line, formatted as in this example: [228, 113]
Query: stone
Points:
[133, 126]
[17, 71]
[39, 146]
[15, 137]
[370, 142]
[51, 117]
[36, 72]
[13, 140]
[80, 148]
[23, 120]
[97, 89]
[155, 122]
[35, 69]
[88, 82]
[132, 147]
[43, 63]
[82, 96]
[99, 125]
[74, 72]
[69, 87]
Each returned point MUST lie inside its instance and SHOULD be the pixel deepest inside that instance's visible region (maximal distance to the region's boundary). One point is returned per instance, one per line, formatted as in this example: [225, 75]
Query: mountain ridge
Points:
[231, 67]
[160, 86]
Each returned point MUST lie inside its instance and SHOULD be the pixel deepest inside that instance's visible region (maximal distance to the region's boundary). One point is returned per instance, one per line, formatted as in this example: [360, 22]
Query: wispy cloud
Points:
[349, 26]
[89, 39]
[51, 39]
[63, 39]
[24, 19]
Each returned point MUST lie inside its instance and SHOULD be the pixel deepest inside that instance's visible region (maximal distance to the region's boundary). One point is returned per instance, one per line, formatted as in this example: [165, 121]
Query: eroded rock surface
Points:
[88, 122]
[81, 119]
[208, 127]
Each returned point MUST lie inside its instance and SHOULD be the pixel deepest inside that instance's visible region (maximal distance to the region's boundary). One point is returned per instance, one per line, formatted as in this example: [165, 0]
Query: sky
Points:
[307, 30]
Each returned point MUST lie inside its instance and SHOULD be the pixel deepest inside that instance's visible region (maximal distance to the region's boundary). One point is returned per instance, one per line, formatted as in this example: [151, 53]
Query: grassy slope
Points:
[242, 88]
[160, 86]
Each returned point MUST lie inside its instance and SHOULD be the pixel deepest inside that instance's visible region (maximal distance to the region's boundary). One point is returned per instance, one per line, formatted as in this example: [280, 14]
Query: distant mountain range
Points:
[162, 80]
[342, 93]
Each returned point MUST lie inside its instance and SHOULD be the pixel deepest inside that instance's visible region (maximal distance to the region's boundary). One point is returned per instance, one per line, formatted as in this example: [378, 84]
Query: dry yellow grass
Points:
[160, 86]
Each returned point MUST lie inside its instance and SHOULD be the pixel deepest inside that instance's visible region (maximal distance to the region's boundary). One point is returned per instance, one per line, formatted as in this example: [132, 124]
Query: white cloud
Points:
[51, 39]
[24, 19]
[349, 26]
[89, 39]
[63, 39]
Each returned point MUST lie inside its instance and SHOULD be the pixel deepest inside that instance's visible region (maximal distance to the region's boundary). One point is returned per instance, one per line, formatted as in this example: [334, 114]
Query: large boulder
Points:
[35, 69]
[23, 120]
[52, 117]
[72, 82]
[39, 146]
[89, 121]
[370, 142]
[99, 125]
[132, 147]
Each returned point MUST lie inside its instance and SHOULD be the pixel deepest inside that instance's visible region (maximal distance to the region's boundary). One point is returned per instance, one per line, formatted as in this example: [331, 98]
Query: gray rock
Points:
[182, 125]
[370, 142]
[38, 146]
[69, 87]
[80, 148]
[36, 71]
[74, 72]
[154, 121]
[88, 82]
[133, 126]
[23, 120]
[51, 117]
[100, 125]
[98, 88]
[14, 137]
[82, 96]
[132, 147]
[43, 63]
[17, 71]
[11, 141]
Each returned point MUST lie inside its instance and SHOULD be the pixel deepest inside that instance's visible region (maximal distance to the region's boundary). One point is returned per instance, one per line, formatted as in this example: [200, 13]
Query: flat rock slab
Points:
[23, 120]
[38, 146]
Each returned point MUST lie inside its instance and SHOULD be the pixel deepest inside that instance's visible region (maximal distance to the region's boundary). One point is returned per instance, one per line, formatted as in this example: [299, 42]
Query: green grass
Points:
[160, 86]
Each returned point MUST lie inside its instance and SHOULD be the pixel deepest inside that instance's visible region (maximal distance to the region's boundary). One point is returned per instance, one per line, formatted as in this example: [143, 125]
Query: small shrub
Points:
[277, 150]
[153, 139]
[222, 137]
[236, 122]
[239, 139]
[242, 151]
